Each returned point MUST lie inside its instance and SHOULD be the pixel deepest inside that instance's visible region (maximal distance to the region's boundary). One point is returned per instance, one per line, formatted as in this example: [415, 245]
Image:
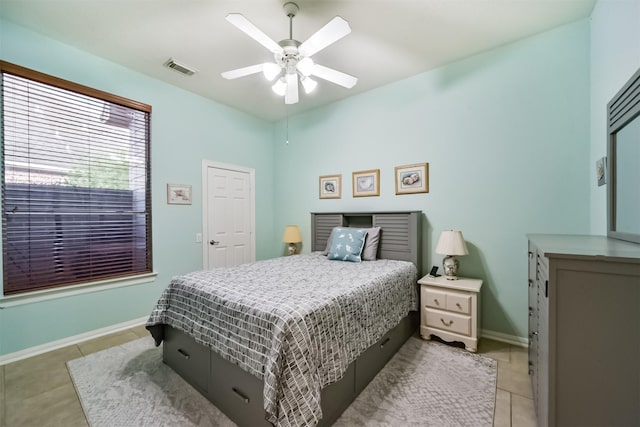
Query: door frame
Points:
[206, 164]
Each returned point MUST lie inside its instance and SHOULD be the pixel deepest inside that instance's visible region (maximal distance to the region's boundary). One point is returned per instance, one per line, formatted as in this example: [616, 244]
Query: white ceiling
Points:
[390, 39]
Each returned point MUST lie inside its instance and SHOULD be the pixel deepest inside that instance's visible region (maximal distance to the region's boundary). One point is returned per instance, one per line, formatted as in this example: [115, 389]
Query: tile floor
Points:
[38, 391]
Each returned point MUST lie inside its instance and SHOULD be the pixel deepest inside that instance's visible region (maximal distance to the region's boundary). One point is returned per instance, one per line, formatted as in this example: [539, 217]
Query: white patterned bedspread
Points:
[295, 322]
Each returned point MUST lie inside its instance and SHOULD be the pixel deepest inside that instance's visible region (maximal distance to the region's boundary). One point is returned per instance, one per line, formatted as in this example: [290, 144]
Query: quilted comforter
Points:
[294, 322]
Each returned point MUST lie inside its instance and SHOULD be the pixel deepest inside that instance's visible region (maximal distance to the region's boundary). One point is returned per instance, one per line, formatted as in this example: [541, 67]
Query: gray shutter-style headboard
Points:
[321, 226]
[400, 238]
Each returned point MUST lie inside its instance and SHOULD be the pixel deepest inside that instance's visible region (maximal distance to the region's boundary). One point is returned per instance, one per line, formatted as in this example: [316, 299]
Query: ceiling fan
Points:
[292, 59]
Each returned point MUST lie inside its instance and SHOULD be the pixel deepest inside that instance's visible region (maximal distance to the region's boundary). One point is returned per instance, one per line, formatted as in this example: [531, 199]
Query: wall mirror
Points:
[623, 189]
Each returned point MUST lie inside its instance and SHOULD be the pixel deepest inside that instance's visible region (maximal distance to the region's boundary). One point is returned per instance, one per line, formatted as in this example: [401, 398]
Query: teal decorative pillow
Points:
[346, 244]
[370, 249]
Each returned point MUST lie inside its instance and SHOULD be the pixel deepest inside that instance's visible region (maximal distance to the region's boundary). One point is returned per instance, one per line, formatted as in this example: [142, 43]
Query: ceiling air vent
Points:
[181, 68]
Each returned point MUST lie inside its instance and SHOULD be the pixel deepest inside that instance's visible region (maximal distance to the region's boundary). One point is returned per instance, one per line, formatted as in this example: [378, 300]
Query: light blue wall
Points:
[505, 133]
[185, 130]
[615, 56]
[506, 136]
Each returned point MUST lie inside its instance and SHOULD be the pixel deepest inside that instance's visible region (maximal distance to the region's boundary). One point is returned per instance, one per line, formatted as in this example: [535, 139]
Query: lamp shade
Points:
[451, 243]
[292, 234]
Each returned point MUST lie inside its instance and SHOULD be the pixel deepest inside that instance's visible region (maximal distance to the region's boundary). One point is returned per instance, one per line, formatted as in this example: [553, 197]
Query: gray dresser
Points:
[584, 330]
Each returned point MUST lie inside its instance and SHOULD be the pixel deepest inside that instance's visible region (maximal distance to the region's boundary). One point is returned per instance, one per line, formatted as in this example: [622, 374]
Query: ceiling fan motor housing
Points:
[290, 56]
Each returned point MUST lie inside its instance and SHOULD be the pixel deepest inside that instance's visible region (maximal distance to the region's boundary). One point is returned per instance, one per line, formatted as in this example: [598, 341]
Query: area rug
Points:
[425, 384]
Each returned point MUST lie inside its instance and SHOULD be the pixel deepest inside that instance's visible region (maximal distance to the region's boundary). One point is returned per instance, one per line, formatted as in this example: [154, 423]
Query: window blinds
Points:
[76, 203]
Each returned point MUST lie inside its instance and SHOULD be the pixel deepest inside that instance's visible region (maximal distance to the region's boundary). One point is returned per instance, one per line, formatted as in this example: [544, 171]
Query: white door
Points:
[228, 215]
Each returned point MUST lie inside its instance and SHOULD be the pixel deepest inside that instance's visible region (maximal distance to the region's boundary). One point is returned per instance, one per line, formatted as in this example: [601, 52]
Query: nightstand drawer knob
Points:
[445, 323]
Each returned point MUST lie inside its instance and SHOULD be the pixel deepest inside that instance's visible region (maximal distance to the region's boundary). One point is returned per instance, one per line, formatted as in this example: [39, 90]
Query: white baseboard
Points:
[509, 339]
[54, 345]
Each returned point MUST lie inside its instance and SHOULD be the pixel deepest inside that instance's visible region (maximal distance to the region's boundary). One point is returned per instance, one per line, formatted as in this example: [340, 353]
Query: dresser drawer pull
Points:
[458, 305]
[436, 301]
[184, 354]
[546, 288]
[445, 323]
[240, 395]
[383, 343]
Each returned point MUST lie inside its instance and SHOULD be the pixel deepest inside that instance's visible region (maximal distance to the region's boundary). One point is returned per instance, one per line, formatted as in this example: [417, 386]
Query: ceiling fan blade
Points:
[334, 76]
[291, 95]
[241, 72]
[333, 31]
[244, 25]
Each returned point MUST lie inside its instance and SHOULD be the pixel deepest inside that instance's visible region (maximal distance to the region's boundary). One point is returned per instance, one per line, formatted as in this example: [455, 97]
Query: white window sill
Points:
[67, 291]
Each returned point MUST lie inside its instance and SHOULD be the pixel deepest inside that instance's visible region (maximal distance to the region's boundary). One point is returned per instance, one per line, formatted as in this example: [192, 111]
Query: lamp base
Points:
[292, 249]
[450, 265]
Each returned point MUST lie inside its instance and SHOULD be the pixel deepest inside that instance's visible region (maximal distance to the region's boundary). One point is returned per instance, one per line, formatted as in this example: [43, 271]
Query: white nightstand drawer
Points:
[460, 303]
[433, 298]
[448, 321]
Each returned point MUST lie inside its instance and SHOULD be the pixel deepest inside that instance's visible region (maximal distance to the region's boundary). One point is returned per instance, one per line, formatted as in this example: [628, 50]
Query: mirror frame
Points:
[621, 110]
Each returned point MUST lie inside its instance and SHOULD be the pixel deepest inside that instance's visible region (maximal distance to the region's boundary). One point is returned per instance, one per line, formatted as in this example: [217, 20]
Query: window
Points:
[76, 202]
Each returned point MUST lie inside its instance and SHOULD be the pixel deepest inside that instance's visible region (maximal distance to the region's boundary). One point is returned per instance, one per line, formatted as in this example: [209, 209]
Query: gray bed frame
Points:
[239, 394]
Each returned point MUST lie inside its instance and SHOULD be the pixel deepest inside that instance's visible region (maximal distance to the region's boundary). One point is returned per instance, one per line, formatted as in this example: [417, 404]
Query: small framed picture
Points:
[601, 171]
[178, 194]
[366, 183]
[331, 187]
[412, 179]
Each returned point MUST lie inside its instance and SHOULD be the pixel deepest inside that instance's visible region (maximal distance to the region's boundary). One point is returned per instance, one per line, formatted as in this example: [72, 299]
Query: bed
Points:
[293, 340]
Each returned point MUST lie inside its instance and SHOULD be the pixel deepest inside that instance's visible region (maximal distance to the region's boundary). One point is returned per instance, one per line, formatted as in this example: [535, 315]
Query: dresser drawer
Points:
[433, 298]
[451, 322]
[235, 391]
[187, 357]
[376, 356]
[459, 303]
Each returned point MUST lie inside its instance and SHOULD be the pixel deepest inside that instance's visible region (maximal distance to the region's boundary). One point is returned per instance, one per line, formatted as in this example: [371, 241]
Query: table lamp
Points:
[292, 236]
[451, 243]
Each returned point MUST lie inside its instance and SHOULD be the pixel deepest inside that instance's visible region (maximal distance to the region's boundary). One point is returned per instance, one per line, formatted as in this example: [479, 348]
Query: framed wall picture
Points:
[412, 179]
[366, 183]
[601, 171]
[331, 187]
[178, 194]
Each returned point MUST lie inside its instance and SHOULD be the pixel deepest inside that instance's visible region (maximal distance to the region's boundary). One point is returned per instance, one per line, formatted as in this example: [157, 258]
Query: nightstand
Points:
[450, 309]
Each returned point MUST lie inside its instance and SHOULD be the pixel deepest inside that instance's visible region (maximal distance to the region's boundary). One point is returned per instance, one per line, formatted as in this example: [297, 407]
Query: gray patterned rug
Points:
[425, 384]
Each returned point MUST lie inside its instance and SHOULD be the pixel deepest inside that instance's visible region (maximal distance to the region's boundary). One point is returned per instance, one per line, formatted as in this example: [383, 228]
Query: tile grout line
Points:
[510, 411]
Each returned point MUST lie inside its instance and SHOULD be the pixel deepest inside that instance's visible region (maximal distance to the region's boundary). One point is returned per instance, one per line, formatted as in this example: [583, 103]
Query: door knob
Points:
[213, 242]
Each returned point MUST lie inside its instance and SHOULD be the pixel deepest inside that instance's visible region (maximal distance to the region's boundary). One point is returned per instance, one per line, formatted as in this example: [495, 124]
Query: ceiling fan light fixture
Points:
[292, 64]
[271, 70]
[309, 85]
[305, 66]
[280, 87]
